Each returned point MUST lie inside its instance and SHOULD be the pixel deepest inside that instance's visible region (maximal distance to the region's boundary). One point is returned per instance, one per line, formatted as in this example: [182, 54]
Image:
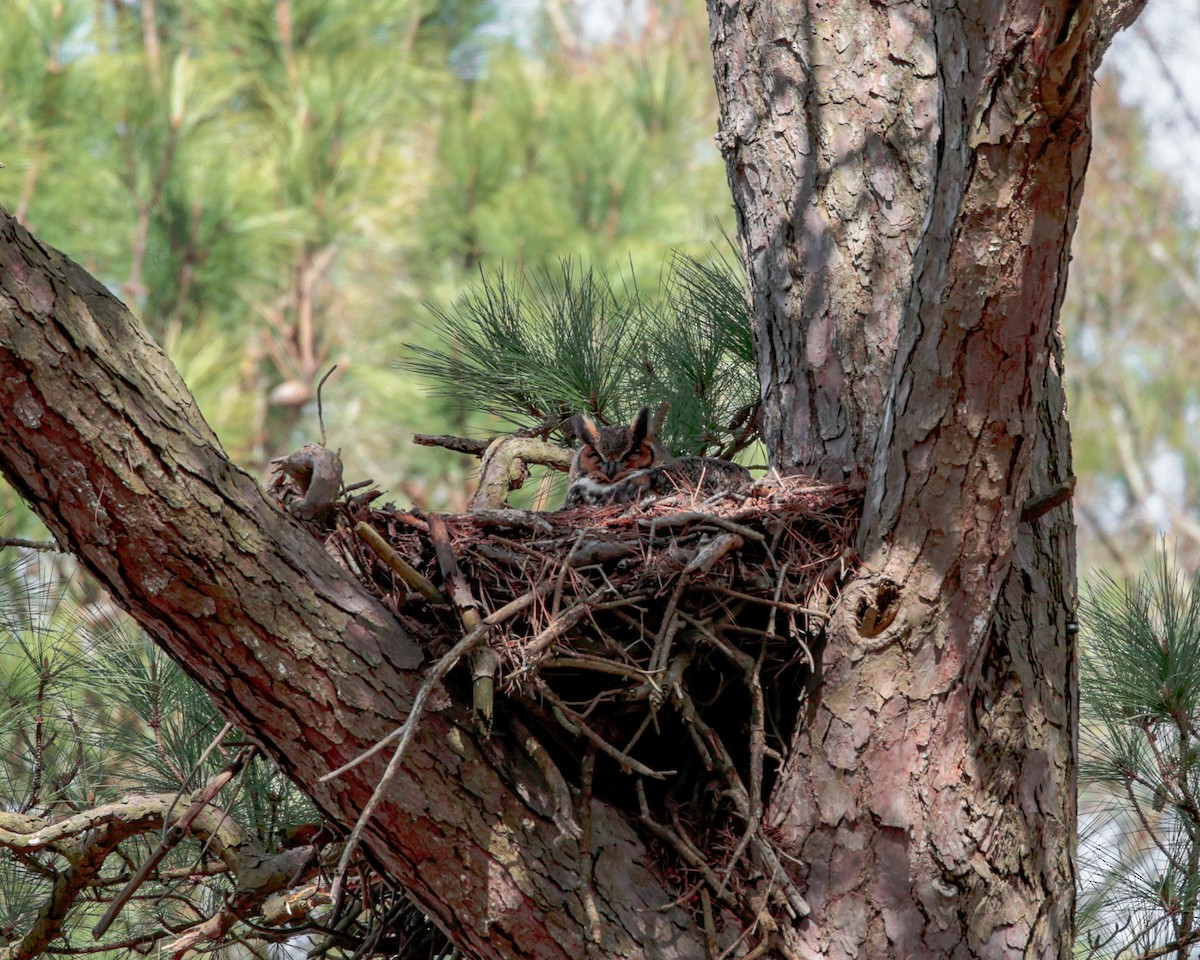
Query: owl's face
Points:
[610, 454]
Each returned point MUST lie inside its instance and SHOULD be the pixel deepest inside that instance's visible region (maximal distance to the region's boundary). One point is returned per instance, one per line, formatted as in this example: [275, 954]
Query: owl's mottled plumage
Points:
[623, 464]
[613, 464]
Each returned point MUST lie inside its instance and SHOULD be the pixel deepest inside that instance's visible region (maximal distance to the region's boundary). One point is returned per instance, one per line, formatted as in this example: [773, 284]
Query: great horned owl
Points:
[614, 464]
[622, 464]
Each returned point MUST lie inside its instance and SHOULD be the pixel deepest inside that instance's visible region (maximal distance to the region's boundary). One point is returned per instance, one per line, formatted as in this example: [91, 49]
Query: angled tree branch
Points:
[103, 440]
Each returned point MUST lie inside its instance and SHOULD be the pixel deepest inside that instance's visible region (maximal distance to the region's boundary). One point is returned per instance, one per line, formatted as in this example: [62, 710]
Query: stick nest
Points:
[659, 654]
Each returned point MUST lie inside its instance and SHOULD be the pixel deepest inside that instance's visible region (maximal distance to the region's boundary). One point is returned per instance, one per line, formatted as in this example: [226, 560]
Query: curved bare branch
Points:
[86, 840]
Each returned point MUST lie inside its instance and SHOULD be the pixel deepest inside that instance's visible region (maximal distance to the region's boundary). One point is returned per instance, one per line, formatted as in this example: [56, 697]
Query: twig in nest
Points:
[520, 603]
[683, 897]
[599, 551]
[556, 603]
[699, 564]
[686, 851]
[711, 948]
[354, 504]
[650, 688]
[683, 519]
[484, 661]
[436, 673]
[389, 555]
[587, 887]
[762, 948]
[575, 725]
[581, 661]
[666, 634]
[719, 755]
[791, 898]
[743, 661]
[750, 668]
[320, 408]
[638, 626]
[510, 517]
[768, 602]
[795, 635]
[464, 601]
[780, 579]
[559, 625]
[402, 516]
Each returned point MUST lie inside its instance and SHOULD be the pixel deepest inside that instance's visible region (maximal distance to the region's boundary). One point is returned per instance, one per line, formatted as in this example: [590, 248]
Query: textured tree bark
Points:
[907, 178]
[101, 437]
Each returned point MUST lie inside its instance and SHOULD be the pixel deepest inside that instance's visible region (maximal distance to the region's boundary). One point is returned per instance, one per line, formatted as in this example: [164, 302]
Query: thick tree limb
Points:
[504, 468]
[100, 436]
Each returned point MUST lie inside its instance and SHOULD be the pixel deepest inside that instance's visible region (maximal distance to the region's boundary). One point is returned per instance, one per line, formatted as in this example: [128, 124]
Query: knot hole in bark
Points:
[877, 609]
[868, 612]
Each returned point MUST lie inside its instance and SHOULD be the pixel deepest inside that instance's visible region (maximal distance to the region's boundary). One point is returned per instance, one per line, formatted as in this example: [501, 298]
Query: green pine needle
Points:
[1139, 853]
[528, 347]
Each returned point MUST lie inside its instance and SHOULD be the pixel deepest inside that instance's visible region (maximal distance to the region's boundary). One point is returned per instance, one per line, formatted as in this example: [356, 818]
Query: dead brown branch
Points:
[505, 469]
[484, 661]
[200, 800]
[575, 724]
[48, 546]
[308, 482]
[88, 838]
[1044, 502]
[476, 448]
[382, 549]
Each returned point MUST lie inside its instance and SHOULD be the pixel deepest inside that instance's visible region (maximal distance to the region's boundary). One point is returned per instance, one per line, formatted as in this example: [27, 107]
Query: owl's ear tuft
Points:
[640, 427]
[585, 430]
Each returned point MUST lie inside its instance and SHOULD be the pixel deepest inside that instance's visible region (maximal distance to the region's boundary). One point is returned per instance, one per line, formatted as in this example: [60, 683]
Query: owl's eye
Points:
[639, 459]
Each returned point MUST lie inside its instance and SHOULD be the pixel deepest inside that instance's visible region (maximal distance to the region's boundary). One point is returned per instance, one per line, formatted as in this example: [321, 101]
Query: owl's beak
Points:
[610, 468]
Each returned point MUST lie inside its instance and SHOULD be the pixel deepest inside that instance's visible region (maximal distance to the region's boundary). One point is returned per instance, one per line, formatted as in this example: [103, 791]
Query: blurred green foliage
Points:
[1132, 324]
[275, 187]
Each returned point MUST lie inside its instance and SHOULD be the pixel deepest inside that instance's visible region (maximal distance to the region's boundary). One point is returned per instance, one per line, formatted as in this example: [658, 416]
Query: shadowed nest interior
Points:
[660, 653]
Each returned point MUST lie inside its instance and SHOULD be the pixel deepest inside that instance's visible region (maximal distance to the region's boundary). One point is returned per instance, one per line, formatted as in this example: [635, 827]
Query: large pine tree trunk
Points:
[906, 179]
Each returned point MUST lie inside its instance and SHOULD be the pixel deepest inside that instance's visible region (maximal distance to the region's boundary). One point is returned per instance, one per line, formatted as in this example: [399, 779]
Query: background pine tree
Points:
[1139, 854]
